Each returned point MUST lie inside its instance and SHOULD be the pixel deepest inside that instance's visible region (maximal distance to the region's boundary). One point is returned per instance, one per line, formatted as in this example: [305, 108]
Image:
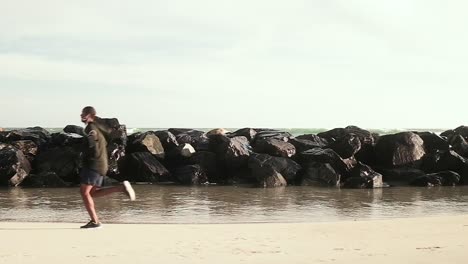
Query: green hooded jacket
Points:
[95, 155]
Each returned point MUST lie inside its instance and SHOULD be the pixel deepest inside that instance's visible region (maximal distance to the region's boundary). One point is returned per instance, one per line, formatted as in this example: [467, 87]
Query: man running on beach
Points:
[95, 166]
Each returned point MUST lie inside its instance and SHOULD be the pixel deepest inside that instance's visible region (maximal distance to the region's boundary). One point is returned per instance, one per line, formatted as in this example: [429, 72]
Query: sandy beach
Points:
[412, 240]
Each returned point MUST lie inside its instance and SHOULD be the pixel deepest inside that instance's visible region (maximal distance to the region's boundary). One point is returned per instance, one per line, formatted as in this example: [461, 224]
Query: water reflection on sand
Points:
[228, 204]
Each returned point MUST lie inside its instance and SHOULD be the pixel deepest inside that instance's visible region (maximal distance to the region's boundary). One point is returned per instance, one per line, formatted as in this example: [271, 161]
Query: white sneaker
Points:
[129, 190]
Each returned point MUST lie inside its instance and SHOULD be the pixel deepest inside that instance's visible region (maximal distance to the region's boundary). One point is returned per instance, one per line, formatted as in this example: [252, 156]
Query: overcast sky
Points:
[216, 63]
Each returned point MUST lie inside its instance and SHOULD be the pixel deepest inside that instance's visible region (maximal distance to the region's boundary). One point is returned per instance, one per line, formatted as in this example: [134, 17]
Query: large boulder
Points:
[207, 161]
[45, 179]
[65, 161]
[272, 180]
[320, 174]
[267, 169]
[302, 145]
[313, 140]
[196, 138]
[191, 175]
[461, 130]
[113, 130]
[346, 146]
[262, 165]
[147, 142]
[363, 176]
[249, 133]
[366, 137]
[217, 131]
[233, 152]
[271, 133]
[28, 147]
[405, 148]
[74, 129]
[459, 145]
[451, 161]
[400, 176]
[14, 166]
[443, 178]
[143, 167]
[344, 142]
[67, 139]
[38, 135]
[275, 147]
[433, 142]
[325, 156]
[168, 140]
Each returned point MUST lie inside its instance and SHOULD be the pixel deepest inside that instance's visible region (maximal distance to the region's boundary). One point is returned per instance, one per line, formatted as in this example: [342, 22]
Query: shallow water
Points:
[228, 204]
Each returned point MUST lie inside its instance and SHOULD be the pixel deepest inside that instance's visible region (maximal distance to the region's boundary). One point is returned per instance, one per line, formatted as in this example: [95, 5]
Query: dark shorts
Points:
[90, 177]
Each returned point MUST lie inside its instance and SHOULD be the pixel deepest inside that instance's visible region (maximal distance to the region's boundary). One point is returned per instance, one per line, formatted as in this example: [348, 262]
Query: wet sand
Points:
[411, 240]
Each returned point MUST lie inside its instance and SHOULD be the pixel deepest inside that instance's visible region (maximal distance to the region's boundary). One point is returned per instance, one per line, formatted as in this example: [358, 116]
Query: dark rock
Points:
[113, 131]
[193, 137]
[65, 161]
[168, 140]
[264, 169]
[233, 152]
[191, 175]
[14, 166]
[346, 146]
[3, 137]
[217, 131]
[207, 161]
[45, 179]
[143, 167]
[313, 139]
[343, 140]
[399, 149]
[74, 130]
[67, 139]
[38, 135]
[147, 142]
[272, 180]
[263, 166]
[324, 156]
[459, 145]
[433, 142]
[271, 133]
[275, 147]
[249, 133]
[28, 147]
[443, 178]
[335, 134]
[367, 154]
[400, 176]
[447, 133]
[178, 131]
[320, 174]
[363, 176]
[304, 144]
[186, 150]
[462, 131]
[240, 176]
[452, 161]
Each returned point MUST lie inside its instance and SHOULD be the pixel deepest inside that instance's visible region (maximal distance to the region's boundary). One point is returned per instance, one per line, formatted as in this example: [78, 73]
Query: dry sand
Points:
[415, 240]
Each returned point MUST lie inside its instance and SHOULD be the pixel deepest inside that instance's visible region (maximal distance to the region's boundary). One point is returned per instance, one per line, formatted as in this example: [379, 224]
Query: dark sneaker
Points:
[129, 190]
[92, 224]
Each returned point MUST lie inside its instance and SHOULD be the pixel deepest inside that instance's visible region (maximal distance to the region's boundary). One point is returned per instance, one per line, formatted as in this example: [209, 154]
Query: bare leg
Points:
[99, 192]
[85, 191]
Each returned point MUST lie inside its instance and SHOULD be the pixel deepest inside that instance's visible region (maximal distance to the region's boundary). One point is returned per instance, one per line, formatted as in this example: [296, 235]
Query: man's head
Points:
[88, 114]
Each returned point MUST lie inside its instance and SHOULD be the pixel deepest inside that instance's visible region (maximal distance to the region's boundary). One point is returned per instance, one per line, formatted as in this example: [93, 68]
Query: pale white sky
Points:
[217, 63]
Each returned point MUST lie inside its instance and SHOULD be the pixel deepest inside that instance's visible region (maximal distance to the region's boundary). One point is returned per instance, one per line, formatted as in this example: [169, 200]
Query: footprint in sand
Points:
[428, 248]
